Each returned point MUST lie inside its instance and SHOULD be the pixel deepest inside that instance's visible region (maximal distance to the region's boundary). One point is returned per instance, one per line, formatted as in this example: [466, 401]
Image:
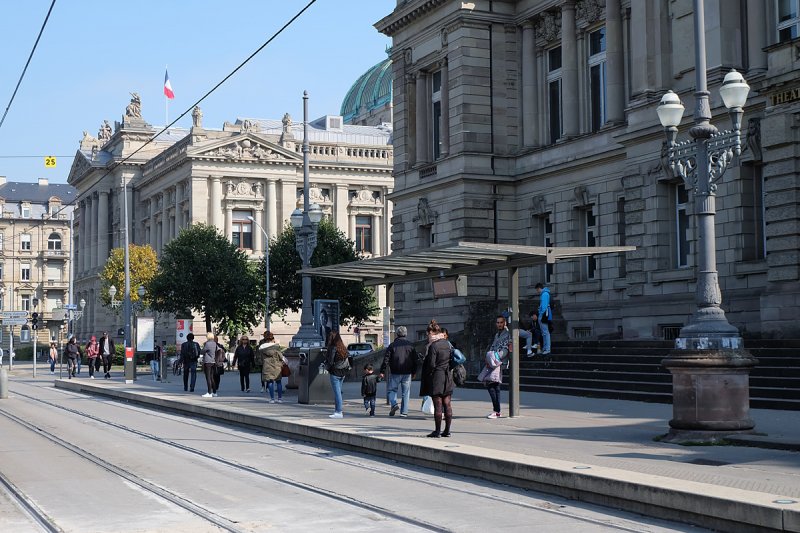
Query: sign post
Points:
[130, 365]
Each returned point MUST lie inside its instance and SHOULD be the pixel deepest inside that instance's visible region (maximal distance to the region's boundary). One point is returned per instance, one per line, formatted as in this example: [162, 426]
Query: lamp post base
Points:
[710, 388]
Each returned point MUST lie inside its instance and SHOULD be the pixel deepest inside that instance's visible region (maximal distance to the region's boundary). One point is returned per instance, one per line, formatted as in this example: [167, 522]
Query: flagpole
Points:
[166, 103]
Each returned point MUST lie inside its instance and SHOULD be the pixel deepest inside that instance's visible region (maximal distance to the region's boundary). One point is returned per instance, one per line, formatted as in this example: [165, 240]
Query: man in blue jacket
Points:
[545, 316]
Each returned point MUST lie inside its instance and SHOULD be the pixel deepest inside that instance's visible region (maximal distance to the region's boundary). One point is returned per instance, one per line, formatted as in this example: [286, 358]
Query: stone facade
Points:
[34, 256]
[251, 167]
[534, 122]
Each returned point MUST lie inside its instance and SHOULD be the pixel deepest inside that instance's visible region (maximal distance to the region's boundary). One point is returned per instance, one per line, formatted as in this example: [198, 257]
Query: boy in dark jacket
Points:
[369, 389]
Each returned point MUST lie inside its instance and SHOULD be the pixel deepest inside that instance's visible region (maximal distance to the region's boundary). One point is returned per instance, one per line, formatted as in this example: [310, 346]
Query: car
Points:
[359, 348]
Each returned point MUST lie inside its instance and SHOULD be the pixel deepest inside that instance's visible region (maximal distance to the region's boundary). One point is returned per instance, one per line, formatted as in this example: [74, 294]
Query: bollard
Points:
[3, 384]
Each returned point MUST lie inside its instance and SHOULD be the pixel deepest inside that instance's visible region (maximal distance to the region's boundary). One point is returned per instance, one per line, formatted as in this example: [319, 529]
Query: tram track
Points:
[37, 515]
[395, 473]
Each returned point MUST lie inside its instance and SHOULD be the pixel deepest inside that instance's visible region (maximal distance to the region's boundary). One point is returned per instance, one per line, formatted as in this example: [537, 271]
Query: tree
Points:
[357, 302]
[203, 271]
[143, 266]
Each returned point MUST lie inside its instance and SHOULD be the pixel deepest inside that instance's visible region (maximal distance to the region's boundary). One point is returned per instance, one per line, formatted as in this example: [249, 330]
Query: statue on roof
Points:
[105, 132]
[134, 109]
[287, 122]
[197, 117]
[249, 126]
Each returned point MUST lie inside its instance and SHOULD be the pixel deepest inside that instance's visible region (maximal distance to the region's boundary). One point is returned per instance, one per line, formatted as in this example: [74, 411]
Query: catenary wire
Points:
[28, 62]
[188, 110]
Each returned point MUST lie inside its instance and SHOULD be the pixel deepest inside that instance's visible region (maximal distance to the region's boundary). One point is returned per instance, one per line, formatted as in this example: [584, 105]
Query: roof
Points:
[349, 134]
[22, 191]
[372, 89]
[453, 259]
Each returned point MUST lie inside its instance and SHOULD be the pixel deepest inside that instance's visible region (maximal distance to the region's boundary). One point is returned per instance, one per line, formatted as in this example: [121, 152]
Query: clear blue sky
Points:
[94, 53]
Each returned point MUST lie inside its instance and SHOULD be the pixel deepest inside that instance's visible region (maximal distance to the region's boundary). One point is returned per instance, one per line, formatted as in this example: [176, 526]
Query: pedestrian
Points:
[244, 357]
[338, 368]
[219, 368]
[369, 389]
[2, 353]
[92, 353]
[401, 359]
[436, 380]
[536, 334]
[78, 359]
[272, 361]
[155, 364]
[190, 353]
[53, 357]
[107, 350]
[545, 316]
[491, 375]
[73, 354]
[209, 363]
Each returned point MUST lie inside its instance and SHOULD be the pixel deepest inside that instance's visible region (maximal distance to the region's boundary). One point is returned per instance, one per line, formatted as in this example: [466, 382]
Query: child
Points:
[369, 389]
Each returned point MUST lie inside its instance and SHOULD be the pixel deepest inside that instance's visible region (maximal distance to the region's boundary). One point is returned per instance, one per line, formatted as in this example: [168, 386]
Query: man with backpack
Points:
[190, 353]
[401, 358]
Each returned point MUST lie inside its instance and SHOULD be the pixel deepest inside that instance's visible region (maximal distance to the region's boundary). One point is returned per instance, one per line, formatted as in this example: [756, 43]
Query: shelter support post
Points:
[513, 387]
[390, 305]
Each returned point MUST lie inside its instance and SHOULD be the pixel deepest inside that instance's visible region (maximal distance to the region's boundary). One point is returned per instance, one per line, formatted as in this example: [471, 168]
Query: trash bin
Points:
[314, 385]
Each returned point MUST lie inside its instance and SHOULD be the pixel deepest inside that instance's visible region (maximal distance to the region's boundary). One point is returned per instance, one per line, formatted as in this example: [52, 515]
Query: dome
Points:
[372, 90]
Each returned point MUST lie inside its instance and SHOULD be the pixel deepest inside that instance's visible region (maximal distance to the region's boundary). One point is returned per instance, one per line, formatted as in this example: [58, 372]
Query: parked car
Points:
[359, 348]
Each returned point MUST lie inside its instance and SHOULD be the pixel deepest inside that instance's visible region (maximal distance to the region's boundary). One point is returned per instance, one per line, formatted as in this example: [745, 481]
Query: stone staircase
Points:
[631, 370]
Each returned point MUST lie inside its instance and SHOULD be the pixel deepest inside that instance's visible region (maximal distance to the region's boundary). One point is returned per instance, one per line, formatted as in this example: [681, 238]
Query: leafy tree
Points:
[357, 302]
[143, 266]
[201, 270]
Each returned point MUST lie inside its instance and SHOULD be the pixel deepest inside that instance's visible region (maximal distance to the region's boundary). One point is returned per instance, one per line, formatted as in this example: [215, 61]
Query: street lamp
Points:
[34, 330]
[305, 224]
[266, 262]
[709, 366]
[112, 291]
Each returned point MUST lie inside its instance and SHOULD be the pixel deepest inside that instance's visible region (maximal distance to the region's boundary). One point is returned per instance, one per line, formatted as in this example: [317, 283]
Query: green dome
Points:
[373, 89]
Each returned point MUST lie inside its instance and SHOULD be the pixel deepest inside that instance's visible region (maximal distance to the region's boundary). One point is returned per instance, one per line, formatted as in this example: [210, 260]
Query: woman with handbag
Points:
[436, 380]
[272, 366]
[219, 358]
[338, 368]
[244, 356]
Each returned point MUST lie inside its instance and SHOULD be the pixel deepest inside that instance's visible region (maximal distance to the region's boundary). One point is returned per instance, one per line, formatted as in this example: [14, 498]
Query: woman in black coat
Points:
[436, 380]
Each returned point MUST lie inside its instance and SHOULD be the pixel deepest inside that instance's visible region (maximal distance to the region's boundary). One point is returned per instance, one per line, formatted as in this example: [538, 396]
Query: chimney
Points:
[43, 182]
[2, 180]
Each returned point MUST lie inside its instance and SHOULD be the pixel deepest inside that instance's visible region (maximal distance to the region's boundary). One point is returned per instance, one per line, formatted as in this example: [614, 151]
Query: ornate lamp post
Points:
[709, 366]
[305, 224]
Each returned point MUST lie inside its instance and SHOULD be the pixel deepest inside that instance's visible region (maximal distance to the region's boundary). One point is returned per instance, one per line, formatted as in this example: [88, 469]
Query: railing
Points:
[427, 172]
[55, 253]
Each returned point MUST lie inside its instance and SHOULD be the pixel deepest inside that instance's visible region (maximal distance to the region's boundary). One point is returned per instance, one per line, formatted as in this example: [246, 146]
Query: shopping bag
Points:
[427, 405]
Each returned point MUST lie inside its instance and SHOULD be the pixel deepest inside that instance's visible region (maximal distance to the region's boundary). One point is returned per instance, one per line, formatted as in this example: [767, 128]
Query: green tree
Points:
[357, 302]
[143, 266]
[203, 271]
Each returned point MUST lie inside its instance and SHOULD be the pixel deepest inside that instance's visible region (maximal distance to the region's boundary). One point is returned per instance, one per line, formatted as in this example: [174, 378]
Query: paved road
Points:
[92, 464]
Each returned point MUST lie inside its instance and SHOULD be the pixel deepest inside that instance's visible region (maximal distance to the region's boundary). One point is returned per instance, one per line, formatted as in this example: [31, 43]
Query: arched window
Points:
[54, 241]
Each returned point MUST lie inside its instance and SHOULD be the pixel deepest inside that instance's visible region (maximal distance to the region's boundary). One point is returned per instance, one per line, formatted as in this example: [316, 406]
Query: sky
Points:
[94, 53]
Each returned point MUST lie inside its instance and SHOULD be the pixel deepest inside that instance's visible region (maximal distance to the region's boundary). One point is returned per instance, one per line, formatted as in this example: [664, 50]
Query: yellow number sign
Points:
[50, 161]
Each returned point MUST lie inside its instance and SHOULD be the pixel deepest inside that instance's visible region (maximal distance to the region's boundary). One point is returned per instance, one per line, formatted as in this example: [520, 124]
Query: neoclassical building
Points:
[534, 122]
[34, 255]
[369, 100]
[249, 168]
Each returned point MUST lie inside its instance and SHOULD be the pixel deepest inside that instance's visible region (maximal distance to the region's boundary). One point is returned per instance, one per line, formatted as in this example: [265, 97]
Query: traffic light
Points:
[34, 320]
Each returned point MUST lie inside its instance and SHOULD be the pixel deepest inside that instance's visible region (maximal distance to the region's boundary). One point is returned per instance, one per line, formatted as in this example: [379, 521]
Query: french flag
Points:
[168, 87]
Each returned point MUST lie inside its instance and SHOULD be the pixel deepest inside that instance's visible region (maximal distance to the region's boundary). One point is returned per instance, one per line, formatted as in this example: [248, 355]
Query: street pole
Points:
[266, 263]
[130, 364]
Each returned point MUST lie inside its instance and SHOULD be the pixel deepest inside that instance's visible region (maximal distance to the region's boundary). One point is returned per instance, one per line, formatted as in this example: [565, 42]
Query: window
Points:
[54, 269]
[26, 302]
[242, 230]
[25, 271]
[25, 241]
[788, 20]
[55, 207]
[436, 113]
[597, 77]
[545, 238]
[681, 226]
[554, 93]
[364, 234]
[54, 241]
[589, 239]
[26, 210]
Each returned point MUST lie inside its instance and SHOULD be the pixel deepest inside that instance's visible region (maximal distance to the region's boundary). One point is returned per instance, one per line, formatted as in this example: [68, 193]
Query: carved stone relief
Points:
[425, 215]
[548, 26]
[245, 149]
[589, 11]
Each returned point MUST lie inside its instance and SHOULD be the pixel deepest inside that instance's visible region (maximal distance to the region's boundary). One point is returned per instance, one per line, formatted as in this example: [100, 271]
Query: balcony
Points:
[55, 284]
[61, 254]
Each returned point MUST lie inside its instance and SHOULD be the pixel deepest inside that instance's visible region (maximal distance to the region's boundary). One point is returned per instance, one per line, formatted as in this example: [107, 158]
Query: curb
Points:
[721, 508]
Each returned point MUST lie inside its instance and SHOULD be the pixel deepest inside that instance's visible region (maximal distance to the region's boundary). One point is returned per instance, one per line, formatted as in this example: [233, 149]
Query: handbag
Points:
[484, 374]
[285, 371]
[427, 405]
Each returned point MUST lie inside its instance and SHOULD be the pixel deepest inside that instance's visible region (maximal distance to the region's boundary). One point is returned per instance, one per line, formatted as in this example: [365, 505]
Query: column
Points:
[216, 202]
[228, 221]
[529, 129]
[340, 207]
[756, 37]
[445, 102]
[569, 70]
[422, 119]
[271, 225]
[378, 239]
[93, 224]
[153, 223]
[176, 225]
[102, 226]
[411, 123]
[615, 65]
[258, 238]
[164, 220]
[352, 229]
[638, 48]
[82, 231]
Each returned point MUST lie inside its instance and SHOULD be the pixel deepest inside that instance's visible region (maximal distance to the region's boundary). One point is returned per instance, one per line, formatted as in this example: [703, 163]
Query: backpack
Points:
[459, 375]
[456, 357]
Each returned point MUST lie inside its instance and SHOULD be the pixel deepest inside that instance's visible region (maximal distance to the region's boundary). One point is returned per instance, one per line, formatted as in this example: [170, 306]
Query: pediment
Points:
[80, 164]
[245, 147]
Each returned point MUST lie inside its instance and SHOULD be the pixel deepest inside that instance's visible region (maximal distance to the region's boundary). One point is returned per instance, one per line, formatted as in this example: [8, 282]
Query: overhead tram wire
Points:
[188, 110]
[46, 18]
